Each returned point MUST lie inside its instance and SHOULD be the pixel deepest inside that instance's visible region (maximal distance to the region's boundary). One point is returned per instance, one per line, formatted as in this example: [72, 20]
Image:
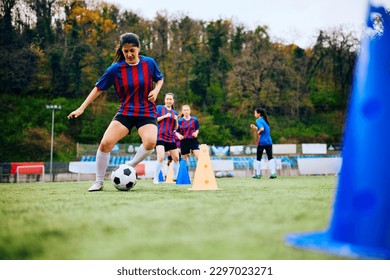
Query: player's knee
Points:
[106, 146]
[149, 144]
[175, 157]
[160, 158]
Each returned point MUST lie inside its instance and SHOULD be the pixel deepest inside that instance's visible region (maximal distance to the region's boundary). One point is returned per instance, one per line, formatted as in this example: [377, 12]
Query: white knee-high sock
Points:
[141, 154]
[157, 170]
[175, 167]
[102, 160]
[272, 166]
[258, 167]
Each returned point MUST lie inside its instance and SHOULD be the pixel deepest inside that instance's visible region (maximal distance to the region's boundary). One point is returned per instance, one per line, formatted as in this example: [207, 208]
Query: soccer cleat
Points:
[156, 182]
[97, 186]
[256, 177]
[273, 176]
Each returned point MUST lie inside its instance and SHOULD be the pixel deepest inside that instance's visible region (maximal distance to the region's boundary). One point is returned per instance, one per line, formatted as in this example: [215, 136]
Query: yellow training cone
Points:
[169, 178]
[204, 178]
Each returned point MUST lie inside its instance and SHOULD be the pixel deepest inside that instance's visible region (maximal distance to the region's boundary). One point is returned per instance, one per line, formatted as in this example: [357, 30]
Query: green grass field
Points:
[246, 220]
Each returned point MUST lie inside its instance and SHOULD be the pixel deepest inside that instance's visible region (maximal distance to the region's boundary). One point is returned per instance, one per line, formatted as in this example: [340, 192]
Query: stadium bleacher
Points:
[240, 163]
[287, 164]
[243, 158]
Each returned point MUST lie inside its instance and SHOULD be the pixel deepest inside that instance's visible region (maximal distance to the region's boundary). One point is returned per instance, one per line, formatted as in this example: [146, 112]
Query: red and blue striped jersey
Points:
[187, 127]
[166, 127]
[132, 84]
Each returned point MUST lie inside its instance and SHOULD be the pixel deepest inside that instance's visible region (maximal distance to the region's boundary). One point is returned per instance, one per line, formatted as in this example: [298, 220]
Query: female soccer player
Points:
[188, 133]
[167, 123]
[137, 81]
[264, 142]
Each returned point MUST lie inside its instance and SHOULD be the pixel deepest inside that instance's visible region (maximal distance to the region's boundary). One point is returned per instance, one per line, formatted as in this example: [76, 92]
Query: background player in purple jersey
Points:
[188, 133]
[137, 81]
[177, 141]
[167, 120]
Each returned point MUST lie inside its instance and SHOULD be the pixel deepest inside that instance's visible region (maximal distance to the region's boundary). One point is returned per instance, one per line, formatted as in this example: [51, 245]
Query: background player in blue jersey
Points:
[167, 124]
[264, 143]
[188, 133]
[137, 81]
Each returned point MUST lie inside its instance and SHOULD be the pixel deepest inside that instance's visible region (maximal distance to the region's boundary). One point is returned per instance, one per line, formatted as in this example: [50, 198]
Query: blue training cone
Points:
[161, 177]
[360, 226]
[183, 178]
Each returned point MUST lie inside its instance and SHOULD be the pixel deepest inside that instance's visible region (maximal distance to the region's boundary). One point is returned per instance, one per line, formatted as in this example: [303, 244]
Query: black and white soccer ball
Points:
[124, 177]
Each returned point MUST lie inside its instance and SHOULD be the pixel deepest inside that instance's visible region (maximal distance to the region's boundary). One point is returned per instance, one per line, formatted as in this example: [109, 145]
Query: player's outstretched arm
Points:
[90, 98]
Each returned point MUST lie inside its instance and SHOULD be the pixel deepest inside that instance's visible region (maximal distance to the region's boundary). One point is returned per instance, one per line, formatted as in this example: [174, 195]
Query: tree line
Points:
[55, 50]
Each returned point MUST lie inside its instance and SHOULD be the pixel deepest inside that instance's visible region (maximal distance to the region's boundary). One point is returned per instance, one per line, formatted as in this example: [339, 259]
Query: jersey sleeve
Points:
[196, 124]
[179, 130]
[158, 110]
[107, 80]
[157, 75]
[259, 124]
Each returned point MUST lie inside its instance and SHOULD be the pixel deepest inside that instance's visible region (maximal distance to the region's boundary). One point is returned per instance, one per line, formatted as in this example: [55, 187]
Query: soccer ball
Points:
[124, 177]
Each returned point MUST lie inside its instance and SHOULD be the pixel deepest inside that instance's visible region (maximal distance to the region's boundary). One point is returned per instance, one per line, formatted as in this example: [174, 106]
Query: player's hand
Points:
[152, 96]
[168, 115]
[75, 113]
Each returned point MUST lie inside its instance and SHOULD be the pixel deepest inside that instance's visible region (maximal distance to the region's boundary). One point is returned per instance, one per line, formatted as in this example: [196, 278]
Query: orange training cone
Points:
[204, 178]
[360, 226]
[169, 178]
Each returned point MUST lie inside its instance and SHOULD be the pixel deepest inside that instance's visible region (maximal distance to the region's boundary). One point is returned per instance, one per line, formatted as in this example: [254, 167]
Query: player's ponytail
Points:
[263, 114]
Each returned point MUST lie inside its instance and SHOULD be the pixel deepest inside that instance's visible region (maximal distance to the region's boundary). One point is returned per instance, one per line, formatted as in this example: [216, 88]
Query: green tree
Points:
[224, 71]
[43, 12]
[331, 68]
[184, 43]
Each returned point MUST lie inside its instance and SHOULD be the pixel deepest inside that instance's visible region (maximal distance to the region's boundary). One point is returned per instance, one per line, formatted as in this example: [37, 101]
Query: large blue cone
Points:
[360, 226]
[183, 178]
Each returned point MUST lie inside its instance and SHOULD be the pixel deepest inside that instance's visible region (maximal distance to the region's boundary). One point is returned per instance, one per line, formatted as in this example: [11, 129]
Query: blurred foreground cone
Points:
[204, 178]
[360, 226]
[183, 178]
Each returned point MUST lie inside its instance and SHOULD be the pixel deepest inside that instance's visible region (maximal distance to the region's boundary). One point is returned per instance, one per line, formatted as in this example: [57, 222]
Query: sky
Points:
[289, 21]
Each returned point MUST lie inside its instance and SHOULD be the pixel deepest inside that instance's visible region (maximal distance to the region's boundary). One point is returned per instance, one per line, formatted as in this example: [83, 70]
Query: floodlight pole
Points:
[53, 108]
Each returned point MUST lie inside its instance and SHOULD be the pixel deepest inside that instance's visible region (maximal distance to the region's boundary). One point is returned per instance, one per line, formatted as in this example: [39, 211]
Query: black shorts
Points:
[129, 122]
[188, 145]
[167, 145]
[260, 150]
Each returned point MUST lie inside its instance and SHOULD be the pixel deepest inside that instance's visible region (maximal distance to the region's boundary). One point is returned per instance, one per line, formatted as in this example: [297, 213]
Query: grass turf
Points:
[246, 220]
